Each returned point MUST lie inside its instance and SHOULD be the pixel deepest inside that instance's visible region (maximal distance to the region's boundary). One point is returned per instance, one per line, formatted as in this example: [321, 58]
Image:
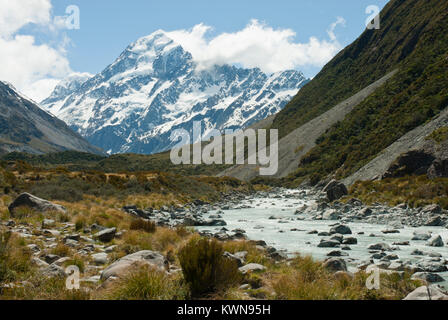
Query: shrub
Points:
[145, 225]
[205, 269]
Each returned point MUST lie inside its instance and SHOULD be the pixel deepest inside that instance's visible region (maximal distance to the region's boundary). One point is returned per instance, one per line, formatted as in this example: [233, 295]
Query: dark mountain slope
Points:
[27, 128]
[413, 38]
[410, 30]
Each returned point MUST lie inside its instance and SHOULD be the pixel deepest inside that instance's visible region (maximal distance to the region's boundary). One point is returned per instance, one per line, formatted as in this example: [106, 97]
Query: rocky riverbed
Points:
[299, 221]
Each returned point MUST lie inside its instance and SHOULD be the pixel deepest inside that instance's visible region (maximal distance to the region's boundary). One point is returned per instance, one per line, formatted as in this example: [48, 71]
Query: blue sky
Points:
[107, 27]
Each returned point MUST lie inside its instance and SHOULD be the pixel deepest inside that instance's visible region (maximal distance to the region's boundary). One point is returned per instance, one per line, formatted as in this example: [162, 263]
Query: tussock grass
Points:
[306, 279]
[146, 283]
[144, 225]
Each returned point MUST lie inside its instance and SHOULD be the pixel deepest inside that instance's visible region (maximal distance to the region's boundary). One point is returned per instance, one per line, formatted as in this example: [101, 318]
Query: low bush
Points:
[205, 269]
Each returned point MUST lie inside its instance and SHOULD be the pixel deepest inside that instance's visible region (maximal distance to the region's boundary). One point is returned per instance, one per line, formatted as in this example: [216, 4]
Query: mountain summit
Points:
[155, 87]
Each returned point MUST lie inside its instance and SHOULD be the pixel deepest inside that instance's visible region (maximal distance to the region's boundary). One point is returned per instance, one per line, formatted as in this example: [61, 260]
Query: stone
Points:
[35, 203]
[106, 235]
[390, 231]
[146, 257]
[328, 244]
[38, 262]
[435, 241]
[435, 222]
[335, 190]
[53, 271]
[365, 212]
[61, 261]
[330, 214]
[48, 223]
[350, 241]
[432, 209]
[427, 276]
[252, 267]
[335, 264]
[341, 229]
[380, 246]
[421, 236]
[427, 293]
[337, 253]
[100, 258]
[50, 258]
[239, 261]
[34, 247]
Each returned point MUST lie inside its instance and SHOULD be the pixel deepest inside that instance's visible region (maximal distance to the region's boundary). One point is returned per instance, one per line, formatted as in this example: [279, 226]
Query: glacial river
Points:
[258, 223]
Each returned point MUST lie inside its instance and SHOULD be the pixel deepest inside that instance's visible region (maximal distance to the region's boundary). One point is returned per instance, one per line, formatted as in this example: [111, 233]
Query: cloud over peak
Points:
[257, 45]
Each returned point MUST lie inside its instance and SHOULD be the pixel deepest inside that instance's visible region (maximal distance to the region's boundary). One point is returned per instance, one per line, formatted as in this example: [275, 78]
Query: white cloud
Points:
[32, 68]
[258, 45]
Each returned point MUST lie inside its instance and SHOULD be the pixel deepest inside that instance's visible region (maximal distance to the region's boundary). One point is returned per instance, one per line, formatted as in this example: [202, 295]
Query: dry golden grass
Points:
[306, 279]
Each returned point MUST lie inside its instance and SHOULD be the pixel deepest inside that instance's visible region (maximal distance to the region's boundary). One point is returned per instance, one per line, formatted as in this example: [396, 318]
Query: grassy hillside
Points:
[78, 161]
[413, 38]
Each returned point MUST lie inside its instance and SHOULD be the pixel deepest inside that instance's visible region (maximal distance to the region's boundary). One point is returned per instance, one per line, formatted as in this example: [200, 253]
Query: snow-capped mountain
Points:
[155, 87]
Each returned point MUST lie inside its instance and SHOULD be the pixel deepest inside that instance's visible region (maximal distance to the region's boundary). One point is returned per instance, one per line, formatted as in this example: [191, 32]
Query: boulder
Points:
[436, 241]
[330, 214]
[335, 190]
[427, 293]
[324, 243]
[350, 241]
[121, 267]
[421, 236]
[335, 264]
[106, 235]
[100, 258]
[341, 229]
[35, 203]
[435, 222]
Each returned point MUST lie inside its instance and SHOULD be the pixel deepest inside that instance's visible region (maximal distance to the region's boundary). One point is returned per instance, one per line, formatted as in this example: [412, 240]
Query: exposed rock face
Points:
[35, 203]
[122, 266]
[416, 144]
[335, 190]
[415, 162]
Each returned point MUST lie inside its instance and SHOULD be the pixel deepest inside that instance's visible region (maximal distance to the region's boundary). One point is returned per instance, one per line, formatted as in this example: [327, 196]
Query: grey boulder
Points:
[35, 203]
